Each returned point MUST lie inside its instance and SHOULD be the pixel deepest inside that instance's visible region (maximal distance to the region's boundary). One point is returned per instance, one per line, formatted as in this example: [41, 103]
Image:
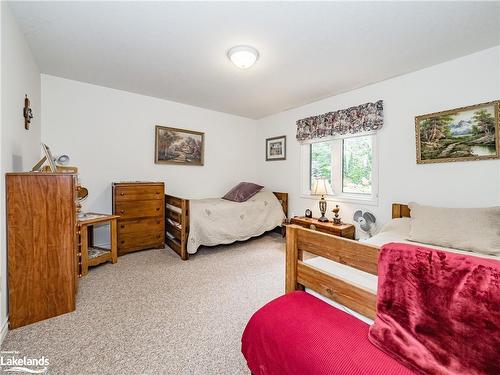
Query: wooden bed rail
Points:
[300, 275]
[177, 224]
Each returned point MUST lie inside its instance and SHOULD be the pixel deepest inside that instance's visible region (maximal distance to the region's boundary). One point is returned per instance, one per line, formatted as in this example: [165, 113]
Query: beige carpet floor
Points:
[152, 313]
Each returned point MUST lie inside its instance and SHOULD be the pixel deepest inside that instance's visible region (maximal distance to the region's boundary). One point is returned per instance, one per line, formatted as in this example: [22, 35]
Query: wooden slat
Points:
[173, 244]
[174, 215]
[174, 201]
[349, 252]
[400, 210]
[353, 297]
[174, 231]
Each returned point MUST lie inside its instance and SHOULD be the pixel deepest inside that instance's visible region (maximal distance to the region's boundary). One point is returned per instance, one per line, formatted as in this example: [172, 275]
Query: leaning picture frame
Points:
[460, 134]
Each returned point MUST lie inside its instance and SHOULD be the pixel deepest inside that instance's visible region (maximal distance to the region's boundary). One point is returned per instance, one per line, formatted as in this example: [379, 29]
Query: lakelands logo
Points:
[11, 362]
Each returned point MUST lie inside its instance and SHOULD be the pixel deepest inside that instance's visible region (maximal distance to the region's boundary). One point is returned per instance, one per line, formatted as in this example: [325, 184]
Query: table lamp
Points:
[321, 186]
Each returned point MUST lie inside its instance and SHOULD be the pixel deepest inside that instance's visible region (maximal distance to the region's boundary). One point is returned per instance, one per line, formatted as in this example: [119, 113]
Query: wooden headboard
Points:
[400, 210]
[283, 198]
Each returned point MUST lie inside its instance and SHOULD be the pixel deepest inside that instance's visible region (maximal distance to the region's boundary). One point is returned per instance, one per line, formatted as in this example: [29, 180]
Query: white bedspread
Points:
[216, 221]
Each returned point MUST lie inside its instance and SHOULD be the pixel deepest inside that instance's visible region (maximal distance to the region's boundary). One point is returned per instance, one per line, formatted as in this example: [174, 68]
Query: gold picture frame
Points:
[179, 146]
[460, 134]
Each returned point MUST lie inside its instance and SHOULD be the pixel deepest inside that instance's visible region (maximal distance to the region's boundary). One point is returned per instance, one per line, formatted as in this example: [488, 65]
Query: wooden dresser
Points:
[41, 243]
[141, 207]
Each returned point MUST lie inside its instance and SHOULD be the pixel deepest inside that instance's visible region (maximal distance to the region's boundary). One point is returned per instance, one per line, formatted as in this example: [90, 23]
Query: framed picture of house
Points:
[178, 146]
[461, 134]
[276, 148]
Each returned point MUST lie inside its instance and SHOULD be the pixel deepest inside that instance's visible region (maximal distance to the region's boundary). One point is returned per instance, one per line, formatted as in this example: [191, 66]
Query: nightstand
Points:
[90, 254]
[341, 230]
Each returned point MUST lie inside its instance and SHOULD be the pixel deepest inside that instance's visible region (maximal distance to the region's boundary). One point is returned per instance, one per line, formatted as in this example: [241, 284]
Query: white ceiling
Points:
[177, 50]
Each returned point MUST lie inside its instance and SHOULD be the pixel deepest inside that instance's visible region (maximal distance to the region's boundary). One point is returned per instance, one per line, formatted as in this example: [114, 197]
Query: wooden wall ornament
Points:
[27, 113]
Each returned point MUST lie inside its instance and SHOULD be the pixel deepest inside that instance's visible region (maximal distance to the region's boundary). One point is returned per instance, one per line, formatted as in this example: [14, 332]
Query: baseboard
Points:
[5, 329]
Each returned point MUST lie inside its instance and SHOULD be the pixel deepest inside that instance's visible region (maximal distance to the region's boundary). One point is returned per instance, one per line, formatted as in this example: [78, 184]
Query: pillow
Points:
[400, 226]
[242, 192]
[470, 229]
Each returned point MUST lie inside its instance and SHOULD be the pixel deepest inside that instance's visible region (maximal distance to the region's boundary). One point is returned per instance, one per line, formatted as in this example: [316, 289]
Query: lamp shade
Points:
[321, 186]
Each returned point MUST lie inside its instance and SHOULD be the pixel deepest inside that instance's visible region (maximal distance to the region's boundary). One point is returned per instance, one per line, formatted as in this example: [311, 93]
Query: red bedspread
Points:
[438, 312]
[298, 334]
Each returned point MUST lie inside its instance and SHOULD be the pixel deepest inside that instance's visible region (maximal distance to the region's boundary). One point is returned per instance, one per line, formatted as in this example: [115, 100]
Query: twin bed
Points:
[433, 311]
[215, 221]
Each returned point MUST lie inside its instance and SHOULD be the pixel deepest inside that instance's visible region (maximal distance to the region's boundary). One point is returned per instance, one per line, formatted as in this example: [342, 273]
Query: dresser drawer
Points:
[136, 209]
[140, 240]
[154, 224]
[138, 192]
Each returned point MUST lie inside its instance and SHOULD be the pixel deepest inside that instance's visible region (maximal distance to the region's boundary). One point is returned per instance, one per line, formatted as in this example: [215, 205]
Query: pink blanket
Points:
[438, 312]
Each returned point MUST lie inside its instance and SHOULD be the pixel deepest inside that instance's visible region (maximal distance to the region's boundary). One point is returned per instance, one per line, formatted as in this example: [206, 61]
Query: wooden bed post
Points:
[292, 258]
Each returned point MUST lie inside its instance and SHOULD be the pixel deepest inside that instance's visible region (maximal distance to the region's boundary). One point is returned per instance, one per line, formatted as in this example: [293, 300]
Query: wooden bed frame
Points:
[177, 210]
[300, 275]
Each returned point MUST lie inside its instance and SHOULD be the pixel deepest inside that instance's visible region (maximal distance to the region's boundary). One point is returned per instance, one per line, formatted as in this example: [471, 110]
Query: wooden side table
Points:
[91, 255]
[341, 230]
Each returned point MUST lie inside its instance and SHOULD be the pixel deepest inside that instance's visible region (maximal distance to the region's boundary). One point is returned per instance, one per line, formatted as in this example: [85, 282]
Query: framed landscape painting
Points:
[178, 146]
[461, 134]
[276, 148]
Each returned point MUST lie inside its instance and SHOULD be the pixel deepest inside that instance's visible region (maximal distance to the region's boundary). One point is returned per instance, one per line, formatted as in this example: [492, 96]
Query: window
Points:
[321, 162]
[357, 159]
[349, 164]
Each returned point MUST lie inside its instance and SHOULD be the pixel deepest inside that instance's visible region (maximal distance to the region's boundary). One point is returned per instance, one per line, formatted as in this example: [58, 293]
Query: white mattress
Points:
[395, 231]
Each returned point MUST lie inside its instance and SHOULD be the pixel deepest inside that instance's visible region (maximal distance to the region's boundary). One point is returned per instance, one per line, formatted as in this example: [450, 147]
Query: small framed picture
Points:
[276, 148]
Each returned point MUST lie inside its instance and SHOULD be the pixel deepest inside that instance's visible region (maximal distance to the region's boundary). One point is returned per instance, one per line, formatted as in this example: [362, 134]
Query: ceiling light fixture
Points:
[243, 56]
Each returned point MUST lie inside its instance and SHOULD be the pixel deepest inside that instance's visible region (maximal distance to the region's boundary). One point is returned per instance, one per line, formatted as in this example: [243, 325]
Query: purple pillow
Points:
[242, 192]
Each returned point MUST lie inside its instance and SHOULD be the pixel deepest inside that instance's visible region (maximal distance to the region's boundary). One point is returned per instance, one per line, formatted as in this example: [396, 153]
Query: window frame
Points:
[337, 171]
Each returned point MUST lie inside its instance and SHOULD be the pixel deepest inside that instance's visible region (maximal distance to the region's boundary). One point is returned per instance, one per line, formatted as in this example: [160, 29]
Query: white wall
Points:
[20, 148]
[465, 81]
[110, 135]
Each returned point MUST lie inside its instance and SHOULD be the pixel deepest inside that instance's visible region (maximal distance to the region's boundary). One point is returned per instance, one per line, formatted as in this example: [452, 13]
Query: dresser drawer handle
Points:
[158, 236]
[122, 241]
[122, 194]
[122, 211]
[122, 226]
[158, 209]
[312, 226]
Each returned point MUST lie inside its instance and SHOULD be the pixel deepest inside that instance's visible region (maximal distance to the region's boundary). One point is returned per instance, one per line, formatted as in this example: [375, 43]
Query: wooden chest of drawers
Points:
[41, 239]
[141, 207]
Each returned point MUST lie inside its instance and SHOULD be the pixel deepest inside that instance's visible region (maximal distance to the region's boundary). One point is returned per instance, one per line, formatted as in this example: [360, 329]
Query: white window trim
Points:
[336, 196]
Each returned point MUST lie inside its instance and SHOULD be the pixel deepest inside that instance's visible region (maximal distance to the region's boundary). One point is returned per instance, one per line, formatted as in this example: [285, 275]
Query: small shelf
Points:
[96, 252]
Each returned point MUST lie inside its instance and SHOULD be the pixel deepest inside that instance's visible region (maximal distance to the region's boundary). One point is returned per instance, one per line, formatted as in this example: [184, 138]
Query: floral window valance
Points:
[362, 118]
